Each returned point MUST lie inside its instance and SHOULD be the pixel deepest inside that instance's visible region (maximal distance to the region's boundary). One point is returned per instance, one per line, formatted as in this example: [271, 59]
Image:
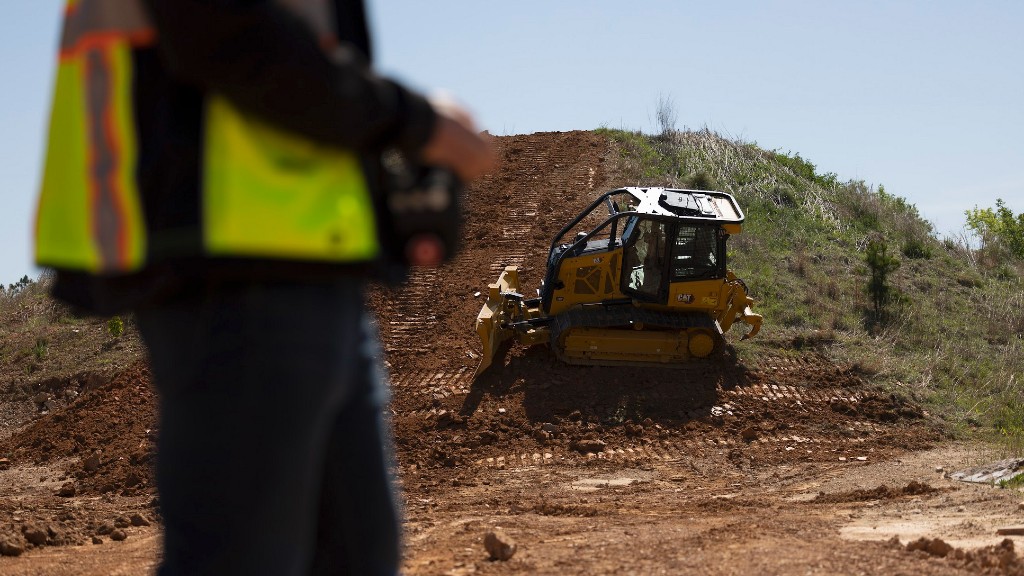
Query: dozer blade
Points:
[502, 298]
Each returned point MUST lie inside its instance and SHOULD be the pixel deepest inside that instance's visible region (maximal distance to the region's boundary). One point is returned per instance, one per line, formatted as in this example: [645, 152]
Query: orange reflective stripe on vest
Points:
[90, 215]
[91, 23]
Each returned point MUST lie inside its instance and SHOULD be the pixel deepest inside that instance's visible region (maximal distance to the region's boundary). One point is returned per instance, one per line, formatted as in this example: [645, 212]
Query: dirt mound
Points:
[107, 432]
[1000, 559]
[882, 492]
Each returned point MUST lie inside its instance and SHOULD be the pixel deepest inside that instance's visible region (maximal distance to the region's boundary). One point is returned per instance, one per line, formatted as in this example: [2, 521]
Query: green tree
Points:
[19, 286]
[999, 226]
[880, 265]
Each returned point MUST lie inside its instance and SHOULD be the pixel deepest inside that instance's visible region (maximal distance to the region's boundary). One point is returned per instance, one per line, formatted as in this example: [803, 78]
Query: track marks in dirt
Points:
[537, 412]
[432, 387]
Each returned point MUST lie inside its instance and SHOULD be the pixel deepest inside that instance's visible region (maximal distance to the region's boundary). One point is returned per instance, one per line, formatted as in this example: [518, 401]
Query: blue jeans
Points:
[272, 454]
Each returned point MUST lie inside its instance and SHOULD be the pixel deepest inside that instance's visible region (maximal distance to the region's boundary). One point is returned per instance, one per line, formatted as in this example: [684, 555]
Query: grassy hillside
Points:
[950, 336]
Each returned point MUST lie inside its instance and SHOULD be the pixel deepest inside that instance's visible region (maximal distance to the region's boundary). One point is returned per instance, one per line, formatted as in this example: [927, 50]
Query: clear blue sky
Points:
[925, 97]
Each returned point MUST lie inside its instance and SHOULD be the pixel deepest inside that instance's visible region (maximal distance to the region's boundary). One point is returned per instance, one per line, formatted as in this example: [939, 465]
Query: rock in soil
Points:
[139, 520]
[34, 535]
[589, 446]
[91, 463]
[118, 535]
[499, 545]
[10, 547]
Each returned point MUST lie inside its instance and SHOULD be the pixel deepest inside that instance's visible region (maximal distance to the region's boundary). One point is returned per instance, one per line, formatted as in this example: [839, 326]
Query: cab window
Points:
[695, 253]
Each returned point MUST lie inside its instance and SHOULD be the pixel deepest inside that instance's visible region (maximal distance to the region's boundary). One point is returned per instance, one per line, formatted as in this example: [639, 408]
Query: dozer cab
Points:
[645, 285]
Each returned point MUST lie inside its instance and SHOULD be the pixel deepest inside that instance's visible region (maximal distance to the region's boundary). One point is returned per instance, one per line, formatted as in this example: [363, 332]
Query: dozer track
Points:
[630, 336]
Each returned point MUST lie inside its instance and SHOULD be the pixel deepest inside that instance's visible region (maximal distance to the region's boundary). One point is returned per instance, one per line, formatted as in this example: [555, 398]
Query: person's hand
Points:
[456, 144]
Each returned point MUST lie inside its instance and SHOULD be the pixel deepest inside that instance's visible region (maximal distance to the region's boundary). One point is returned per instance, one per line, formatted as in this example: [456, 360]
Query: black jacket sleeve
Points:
[268, 63]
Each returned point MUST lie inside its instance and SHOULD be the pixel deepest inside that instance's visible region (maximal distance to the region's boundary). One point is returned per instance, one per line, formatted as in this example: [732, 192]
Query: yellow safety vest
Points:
[266, 193]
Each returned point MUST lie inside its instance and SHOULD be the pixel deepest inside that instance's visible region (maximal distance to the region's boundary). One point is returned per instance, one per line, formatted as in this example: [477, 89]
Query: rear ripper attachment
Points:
[645, 285]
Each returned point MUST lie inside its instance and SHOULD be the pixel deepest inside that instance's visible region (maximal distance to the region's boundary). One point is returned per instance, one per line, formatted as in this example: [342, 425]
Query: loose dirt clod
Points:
[34, 535]
[589, 445]
[933, 546]
[91, 463]
[882, 492]
[499, 545]
[998, 559]
[9, 546]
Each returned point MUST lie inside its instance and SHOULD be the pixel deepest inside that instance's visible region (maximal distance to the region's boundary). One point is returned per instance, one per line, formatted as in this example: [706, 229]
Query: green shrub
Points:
[115, 327]
[803, 168]
[39, 350]
[783, 196]
[701, 181]
[880, 265]
[1000, 226]
[917, 249]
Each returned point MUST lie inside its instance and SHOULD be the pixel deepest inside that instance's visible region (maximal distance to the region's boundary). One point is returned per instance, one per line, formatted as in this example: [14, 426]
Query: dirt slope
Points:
[782, 463]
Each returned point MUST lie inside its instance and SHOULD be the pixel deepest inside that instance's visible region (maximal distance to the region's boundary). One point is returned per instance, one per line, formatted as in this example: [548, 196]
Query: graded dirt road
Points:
[768, 460]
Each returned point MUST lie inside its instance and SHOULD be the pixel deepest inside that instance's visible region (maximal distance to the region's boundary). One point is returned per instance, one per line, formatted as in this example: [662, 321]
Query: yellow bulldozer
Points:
[646, 285]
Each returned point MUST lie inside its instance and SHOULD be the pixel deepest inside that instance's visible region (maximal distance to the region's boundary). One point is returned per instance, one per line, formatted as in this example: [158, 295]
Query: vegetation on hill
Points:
[41, 338]
[944, 326]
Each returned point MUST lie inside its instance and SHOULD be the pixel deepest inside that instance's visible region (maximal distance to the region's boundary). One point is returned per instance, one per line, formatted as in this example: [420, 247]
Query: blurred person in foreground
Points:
[214, 166]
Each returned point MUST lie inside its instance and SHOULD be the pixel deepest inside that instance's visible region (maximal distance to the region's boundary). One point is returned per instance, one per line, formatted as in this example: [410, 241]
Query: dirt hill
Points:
[774, 459]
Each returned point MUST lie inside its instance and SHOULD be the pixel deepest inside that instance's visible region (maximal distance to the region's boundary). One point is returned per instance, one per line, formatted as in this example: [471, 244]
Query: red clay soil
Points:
[591, 469]
[110, 429]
